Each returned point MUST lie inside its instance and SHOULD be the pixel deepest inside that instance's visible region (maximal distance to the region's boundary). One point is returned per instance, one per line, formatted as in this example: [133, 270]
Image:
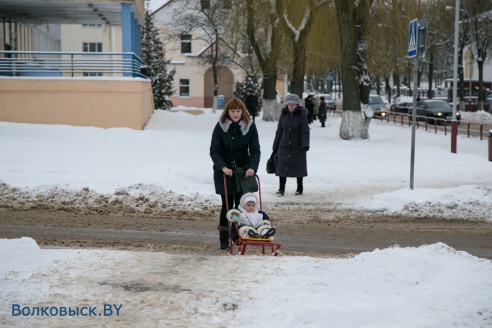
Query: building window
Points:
[205, 4]
[92, 47]
[184, 87]
[227, 4]
[185, 43]
[91, 25]
[93, 74]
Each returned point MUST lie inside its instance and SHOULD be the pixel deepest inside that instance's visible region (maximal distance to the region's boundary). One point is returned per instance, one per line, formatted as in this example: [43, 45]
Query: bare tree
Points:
[265, 35]
[298, 24]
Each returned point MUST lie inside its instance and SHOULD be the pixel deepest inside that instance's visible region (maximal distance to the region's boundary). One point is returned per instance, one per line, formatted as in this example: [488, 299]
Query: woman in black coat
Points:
[322, 111]
[291, 143]
[234, 144]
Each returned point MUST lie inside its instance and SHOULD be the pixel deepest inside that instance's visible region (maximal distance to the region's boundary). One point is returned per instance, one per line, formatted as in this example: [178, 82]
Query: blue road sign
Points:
[412, 38]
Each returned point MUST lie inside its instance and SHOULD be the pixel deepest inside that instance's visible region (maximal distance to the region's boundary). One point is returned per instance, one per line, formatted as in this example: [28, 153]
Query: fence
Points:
[70, 64]
[470, 129]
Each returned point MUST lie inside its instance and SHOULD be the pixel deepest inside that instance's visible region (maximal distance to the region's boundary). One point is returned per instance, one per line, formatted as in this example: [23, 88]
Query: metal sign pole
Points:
[454, 122]
[414, 119]
[412, 52]
[417, 40]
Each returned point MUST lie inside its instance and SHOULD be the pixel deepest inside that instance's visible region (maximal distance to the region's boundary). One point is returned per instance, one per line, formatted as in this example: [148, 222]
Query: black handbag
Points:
[243, 183]
[271, 165]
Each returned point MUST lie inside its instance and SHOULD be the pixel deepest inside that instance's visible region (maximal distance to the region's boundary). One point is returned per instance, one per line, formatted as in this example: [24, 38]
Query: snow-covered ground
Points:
[429, 286]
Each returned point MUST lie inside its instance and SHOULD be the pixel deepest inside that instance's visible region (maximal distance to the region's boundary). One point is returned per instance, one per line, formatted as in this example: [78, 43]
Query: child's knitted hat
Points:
[248, 197]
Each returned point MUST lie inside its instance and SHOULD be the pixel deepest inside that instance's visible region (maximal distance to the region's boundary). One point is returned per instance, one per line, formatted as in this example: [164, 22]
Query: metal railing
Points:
[70, 64]
[470, 129]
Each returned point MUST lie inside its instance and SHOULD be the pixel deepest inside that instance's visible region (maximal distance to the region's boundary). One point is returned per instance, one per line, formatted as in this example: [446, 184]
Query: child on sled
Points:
[250, 221]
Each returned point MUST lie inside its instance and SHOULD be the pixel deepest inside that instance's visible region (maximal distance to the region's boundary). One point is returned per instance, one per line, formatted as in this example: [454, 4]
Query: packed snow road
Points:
[300, 231]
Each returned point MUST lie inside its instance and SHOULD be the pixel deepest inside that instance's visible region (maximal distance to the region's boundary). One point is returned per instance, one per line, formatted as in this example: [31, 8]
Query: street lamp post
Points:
[454, 122]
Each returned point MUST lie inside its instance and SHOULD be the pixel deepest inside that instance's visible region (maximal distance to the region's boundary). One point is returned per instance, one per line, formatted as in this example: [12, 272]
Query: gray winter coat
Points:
[245, 151]
[291, 142]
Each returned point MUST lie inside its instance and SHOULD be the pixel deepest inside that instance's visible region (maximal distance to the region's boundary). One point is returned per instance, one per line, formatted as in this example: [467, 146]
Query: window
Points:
[185, 43]
[227, 4]
[91, 25]
[93, 74]
[184, 87]
[92, 47]
[205, 4]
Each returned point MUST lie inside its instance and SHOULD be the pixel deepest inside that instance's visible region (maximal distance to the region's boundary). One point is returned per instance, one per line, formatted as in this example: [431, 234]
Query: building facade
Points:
[189, 52]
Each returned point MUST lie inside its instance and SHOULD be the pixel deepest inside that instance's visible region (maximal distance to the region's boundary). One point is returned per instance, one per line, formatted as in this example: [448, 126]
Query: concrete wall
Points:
[97, 102]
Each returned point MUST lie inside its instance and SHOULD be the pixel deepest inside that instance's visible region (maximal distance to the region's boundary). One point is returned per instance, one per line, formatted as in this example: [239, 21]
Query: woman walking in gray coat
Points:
[291, 143]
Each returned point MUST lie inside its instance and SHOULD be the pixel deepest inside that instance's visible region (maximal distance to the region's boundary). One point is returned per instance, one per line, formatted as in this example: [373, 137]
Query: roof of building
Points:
[69, 11]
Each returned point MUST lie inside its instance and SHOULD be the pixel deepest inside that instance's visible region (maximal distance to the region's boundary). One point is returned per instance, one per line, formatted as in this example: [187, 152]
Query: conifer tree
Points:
[156, 65]
[250, 85]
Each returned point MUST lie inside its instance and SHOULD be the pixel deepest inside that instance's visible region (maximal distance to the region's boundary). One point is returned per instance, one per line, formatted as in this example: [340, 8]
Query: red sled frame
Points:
[243, 243]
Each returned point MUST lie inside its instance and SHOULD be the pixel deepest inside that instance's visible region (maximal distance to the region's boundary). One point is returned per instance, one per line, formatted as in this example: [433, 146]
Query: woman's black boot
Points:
[224, 237]
[299, 187]
[281, 189]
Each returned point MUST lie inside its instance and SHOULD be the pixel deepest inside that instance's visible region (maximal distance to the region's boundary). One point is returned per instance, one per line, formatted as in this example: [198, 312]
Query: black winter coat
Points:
[322, 111]
[245, 151]
[251, 103]
[291, 137]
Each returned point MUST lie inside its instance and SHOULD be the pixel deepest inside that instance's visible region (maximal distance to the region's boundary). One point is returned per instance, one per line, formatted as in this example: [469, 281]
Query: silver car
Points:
[378, 106]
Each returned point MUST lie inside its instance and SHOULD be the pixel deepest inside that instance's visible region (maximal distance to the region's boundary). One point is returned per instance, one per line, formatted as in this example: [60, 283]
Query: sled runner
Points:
[243, 242]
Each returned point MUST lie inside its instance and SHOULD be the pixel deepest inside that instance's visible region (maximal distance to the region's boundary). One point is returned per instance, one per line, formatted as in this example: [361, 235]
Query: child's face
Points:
[250, 207]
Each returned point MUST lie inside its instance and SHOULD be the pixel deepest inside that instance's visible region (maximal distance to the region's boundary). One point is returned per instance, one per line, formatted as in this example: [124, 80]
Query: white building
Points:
[193, 81]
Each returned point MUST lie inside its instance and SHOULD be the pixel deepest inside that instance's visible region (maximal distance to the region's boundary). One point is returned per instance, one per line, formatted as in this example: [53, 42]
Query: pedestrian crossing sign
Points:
[412, 39]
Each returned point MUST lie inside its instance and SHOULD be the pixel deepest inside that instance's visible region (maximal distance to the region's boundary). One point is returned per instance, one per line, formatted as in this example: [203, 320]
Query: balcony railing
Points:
[70, 64]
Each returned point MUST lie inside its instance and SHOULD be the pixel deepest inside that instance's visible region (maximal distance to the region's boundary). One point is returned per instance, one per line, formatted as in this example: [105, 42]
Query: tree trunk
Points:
[480, 83]
[431, 76]
[353, 125]
[297, 79]
[266, 58]
[271, 109]
[461, 85]
[214, 72]
[350, 18]
[396, 81]
[388, 88]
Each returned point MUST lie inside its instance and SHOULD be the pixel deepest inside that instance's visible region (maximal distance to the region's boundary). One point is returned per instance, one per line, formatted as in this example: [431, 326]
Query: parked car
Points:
[378, 106]
[435, 111]
[402, 104]
[330, 102]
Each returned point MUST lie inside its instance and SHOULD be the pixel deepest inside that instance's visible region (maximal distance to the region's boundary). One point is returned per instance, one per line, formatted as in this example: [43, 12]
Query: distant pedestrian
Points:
[309, 105]
[291, 143]
[251, 103]
[322, 111]
[315, 107]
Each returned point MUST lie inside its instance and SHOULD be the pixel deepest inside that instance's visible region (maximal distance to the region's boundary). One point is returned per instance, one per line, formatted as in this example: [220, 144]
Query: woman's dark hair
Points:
[235, 103]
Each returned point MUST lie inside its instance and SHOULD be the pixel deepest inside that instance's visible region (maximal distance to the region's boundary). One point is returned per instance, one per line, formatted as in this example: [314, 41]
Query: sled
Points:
[243, 242]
